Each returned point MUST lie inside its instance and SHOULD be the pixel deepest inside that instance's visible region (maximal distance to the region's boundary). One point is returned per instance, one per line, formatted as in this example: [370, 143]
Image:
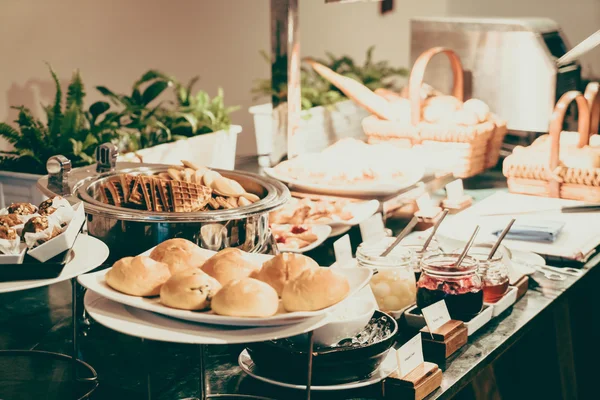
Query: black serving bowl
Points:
[348, 361]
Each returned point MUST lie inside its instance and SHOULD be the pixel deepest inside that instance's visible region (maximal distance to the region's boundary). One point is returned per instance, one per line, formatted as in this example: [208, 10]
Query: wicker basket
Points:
[535, 171]
[477, 147]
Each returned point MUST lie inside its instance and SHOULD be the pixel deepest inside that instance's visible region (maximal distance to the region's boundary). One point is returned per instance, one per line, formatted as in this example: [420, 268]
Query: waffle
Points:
[113, 192]
[141, 192]
[159, 198]
[188, 197]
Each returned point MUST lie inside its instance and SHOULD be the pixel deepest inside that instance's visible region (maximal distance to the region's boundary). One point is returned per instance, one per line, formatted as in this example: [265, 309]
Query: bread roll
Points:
[229, 264]
[440, 108]
[464, 117]
[280, 269]
[246, 297]
[138, 276]
[314, 289]
[189, 290]
[478, 107]
[179, 255]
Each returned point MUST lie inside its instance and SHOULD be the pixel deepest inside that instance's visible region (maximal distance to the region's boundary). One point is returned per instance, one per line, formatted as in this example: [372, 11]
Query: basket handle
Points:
[592, 95]
[418, 73]
[556, 124]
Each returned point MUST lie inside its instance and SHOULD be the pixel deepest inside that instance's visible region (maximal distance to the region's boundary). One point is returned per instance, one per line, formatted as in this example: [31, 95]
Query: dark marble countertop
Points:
[41, 319]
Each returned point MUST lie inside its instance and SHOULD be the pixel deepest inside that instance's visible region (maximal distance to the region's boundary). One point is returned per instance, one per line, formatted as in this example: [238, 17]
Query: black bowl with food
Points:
[350, 360]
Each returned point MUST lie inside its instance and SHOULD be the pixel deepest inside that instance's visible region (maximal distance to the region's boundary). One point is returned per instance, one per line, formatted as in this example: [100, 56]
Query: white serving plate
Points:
[357, 277]
[62, 242]
[361, 210]
[412, 175]
[143, 324]
[89, 253]
[321, 231]
[509, 298]
[386, 368]
[14, 258]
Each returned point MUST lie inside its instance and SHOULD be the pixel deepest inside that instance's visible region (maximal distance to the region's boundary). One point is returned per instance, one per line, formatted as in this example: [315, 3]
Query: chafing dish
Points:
[129, 232]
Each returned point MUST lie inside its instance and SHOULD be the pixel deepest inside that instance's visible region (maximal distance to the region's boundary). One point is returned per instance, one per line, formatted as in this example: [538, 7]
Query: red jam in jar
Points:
[460, 287]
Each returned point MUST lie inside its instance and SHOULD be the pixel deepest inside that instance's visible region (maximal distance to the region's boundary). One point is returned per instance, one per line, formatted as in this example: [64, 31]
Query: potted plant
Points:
[327, 114]
[68, 129]
[193, 127]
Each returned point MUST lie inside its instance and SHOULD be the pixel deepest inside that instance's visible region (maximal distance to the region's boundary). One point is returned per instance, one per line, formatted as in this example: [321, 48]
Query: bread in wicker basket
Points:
[541, 170]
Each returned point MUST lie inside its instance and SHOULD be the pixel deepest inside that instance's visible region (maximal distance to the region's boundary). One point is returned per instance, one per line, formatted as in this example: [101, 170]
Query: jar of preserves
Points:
[494, 274]
[418, 255]
[393, 282]
[460, 286]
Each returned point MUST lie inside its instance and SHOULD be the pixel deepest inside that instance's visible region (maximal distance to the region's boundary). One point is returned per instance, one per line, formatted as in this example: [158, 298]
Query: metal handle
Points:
[106, 157]
[58, 168]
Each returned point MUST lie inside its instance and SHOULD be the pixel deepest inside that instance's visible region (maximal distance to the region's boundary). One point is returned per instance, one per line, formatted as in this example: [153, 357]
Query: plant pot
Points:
[319, 127]
[215, 150]
[19, 187]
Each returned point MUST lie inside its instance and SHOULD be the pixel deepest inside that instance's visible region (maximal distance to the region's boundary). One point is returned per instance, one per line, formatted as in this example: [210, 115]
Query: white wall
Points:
[113, 42]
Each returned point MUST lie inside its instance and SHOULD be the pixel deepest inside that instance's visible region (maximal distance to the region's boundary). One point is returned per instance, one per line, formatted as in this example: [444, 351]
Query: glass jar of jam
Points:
[494, 274]
[393, 282]
[460, 287]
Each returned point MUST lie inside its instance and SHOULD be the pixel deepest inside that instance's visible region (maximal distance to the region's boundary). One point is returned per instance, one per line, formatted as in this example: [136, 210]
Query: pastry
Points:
[22, 209]
[481, 110]
[440, 108]
[189, 290]
[246, 297]
[10, 220]
[229, 264]
[283, 267]
[314, 289]
[8, 233]
[179, 255]
[38, 224]
[138, 276]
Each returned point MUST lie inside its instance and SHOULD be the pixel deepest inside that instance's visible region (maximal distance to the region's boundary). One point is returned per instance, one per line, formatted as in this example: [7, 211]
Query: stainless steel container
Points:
[130, 232]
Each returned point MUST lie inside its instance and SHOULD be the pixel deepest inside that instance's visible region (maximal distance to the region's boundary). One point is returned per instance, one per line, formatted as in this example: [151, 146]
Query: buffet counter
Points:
[533, 350]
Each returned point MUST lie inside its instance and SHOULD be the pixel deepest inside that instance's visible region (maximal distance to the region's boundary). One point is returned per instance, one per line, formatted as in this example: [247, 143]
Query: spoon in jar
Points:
[501, 238]
[434, 230]
[408, 229]
[467, 247]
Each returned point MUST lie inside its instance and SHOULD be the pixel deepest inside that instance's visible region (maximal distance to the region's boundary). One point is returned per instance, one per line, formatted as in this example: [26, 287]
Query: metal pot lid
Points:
[84, 184]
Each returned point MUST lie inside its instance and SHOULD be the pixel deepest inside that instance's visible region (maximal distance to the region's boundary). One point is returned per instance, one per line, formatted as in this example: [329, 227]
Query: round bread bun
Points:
[229, 264]
[440, 108]
[138, 276]
[246, 297]
[277, 271]
[179, 255]
[465, 117]
[314, 289]
[478, 107]
[189, 290]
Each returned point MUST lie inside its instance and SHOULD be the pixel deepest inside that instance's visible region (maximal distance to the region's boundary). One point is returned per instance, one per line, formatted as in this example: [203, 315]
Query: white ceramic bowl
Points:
[347, 320]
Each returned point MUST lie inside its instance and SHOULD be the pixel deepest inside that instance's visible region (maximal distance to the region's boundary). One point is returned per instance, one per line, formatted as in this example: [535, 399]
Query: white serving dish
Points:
[383, 188]
[337, 329]
[357, 277]
[62, 242]
[321, 231]
[509, 298]
[14, 258]
[417, 321]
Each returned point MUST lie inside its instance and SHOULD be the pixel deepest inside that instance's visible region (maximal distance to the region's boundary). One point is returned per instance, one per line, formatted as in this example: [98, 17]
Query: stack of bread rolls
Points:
[228, 283]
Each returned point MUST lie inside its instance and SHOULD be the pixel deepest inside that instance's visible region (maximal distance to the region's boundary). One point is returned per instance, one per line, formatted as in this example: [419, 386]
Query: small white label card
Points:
[342, 249]
[436, 315]
[424, 202]
[410, 356]
[373, 228]
[455, 190]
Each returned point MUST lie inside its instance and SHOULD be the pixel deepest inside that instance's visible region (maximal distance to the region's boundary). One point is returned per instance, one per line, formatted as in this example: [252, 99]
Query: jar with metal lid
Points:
[393, 282]
[494, 274]
[460, 286]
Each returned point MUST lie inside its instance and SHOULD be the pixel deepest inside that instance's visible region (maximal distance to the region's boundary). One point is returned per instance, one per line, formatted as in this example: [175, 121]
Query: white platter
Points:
[89, 254]
[143, 324]
[357, 277]
[321, 231]
[386, 368]
[413, 175]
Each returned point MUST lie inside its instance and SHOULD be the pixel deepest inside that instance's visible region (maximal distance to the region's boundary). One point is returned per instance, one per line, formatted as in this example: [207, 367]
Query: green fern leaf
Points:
[76, 91]
[54, 125]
